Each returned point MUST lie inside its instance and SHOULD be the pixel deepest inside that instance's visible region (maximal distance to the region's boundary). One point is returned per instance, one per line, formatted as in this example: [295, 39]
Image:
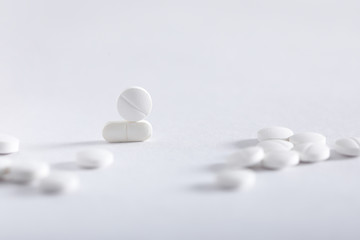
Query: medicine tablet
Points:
[243, 179]
[307, 137]
[134, 104]
[127, 131]
[275, 145]
[348, 146]
[313, 152]
[8, 144]
[27, 171]
[94, 158]
[246, 157]
[269, 133]
[4, 165]
[59, 182]
[281, 159]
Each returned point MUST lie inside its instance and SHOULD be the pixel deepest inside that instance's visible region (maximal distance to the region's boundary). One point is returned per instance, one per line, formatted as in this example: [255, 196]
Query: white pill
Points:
[275, 145]
[246, 157]
[313, 152]
[269, 133]
[348, 146]
[281, 159]
[134, 104]
[8, 144]
[127, 131]
[5, 164]
[59, 182]
[307, 137]
[94, 158]
[243, 179]
[27, 171]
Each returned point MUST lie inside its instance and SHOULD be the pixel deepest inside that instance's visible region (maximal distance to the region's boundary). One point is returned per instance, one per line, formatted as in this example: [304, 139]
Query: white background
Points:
[218, 71]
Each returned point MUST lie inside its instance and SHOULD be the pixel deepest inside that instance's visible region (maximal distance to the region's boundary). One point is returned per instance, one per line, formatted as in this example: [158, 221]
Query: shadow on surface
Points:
[67, 166]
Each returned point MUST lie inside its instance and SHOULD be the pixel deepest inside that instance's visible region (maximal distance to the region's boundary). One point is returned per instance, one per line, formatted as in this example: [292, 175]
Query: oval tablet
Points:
[348, 146]
[127, 131]
[313, 152]
[275, 145]
[8, 144]
[243, 179]
[134, 104]
[281, 159]
[94, 158]
[27, 171]
[246, 157]
[307, 137]
[269, 133]
[59, 182]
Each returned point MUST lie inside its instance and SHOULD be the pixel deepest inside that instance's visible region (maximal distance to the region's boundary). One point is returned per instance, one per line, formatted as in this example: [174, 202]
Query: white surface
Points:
[241, 65]
[134, 104]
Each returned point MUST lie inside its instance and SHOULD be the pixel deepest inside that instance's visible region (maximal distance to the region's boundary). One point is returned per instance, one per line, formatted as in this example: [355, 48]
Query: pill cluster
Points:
[134, 104]
[280, 148]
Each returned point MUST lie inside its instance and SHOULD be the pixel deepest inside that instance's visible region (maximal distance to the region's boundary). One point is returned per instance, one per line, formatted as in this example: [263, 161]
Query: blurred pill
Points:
[59, 183]
[281, 159]
[4, 165]
[8, 144]
[26, 171]
[313, 152]
[307, 137]
[94, 158]
[348, 146]
[275, 145]
[246, 157]
[281, 133]
[243, 179]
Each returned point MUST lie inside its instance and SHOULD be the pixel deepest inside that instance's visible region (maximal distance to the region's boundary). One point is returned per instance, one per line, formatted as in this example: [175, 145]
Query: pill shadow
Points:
[210, 188]
[68, 144]
[246, 143]
[66, 166]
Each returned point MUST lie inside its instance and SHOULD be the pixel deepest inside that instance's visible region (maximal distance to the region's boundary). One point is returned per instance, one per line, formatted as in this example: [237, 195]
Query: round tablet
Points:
[281, 133]
[26, 171]
[281, 159]
[8, 144]
[275, 145]
[313, 152]
[94, 158]
[4, 165]
[246, 157]
[348, 146]
[134, 104]
[243, 179]
[307, 137]
[59, 182]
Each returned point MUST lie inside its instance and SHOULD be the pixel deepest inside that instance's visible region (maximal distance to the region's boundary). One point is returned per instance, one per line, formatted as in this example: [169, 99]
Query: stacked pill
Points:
[134, 104]
[280, 148]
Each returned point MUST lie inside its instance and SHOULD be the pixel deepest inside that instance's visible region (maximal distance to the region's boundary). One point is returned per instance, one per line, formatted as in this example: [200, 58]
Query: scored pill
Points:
[134, 104]
[123, 131]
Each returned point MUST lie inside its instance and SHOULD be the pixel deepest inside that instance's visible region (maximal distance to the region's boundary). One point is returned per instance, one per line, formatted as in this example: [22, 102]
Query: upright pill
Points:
[307, 137]
[94, 158]
[348, 146]
[134, 104]
[27, 171]
[243, 179]
[275, 145]
[127, 131]
[8, 144]
[246, 157]
[269, 133]
[281, 159]
[313, 152]
[59, 182]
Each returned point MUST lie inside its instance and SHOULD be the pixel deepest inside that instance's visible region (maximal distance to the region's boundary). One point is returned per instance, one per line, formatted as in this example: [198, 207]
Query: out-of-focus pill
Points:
[127, 131]
[275, 145]
[8, 144]
[26, 171]
[246, 157]
[4, 165]
[59, 182]
[243, 179]
[134, 104]
[269, 133]
[313, 152]
[281, 159]
[348, 146]
[307, 137]
[94, 158]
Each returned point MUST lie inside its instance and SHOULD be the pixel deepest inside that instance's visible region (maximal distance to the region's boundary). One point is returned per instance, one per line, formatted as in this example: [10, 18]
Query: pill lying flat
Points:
[269, 133]
[243, 179]
[307, 137]
[134, 104]
[59, 182]
[313, 152]
[27, 171]
[94, 158]
[4, 165]
[8, 144]
[348, 146]
[281, 159]
[246, 157]
[275, 145]
[124, 131]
